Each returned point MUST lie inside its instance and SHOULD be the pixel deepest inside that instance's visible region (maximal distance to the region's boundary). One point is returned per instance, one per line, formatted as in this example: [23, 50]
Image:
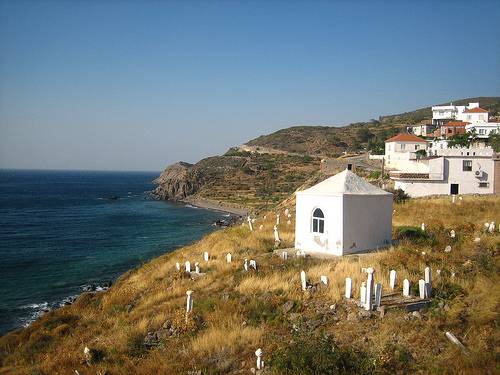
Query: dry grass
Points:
[238, 312]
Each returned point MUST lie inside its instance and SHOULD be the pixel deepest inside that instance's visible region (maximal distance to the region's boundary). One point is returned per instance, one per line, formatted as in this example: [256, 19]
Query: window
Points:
[318, 221]
[403, 146]
[484, 184]
[416, 147]
[482, 131]
[467, 165]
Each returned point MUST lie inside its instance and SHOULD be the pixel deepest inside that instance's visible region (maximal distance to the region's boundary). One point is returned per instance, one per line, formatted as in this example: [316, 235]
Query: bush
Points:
[320, 355]
[399, 196]
[413, 234]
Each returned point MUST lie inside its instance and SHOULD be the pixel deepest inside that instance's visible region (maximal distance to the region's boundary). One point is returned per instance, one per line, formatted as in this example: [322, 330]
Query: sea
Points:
[64, 232]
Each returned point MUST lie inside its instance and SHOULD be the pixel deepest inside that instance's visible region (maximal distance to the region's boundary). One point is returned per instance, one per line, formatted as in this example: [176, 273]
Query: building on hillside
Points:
[401, 150]
[475, 114]
[344, 214]
[452, 128]
[424, 129]
[483, 129]
[441, 114]
[452, 171]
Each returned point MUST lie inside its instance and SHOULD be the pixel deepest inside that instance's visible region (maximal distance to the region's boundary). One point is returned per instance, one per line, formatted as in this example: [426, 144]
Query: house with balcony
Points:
[483, 130]
[441, 114]
[452, 171]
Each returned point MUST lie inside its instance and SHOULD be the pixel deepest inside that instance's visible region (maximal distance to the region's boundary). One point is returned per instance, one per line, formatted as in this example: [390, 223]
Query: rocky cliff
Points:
[177, 181]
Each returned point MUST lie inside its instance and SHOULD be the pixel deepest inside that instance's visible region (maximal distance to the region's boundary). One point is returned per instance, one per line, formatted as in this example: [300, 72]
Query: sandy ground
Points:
[214, 205]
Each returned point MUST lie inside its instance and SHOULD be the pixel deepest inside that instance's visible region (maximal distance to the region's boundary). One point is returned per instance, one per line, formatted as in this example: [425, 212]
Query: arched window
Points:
[318, 221]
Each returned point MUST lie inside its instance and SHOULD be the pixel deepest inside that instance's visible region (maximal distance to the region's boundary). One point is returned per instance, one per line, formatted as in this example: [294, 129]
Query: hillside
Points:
[267, 169]
[331, 141]
[139, 325]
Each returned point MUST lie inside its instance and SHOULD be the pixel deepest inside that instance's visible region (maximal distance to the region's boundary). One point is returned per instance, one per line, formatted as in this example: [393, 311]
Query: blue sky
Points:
[136, 85]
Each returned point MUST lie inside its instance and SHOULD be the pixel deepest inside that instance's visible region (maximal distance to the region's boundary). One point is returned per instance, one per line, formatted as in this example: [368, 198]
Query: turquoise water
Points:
[60, 233]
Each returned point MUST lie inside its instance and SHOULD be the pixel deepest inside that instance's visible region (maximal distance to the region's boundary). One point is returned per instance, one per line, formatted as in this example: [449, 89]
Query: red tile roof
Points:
[404, 137]
[457, 123]
[475, 110]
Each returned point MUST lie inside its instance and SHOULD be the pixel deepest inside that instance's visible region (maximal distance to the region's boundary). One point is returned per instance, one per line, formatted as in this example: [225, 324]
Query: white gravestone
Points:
[428, 281]
[348, 287]
[177, 266]
[447, 249]
[187, 266]
[189, 301]
[287, 211]
[392, 279]
[261, 227]
[277, 219]
[491, 227]
[303, 280]
[406, 288]
[324, 280]
[197, 267]
[229, 258]
[276, 234]
[378, 294]
[260, 362]
[369, 289]
[253, 264]
[453, 197]
[421, 288]
[245, 264]
[362, 293]
[422, 227]
[452, 234]
[206, 256]
[250, 223]
[284, 255]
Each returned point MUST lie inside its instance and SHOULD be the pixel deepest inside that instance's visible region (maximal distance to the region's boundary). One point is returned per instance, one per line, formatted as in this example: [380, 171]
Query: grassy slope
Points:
[236, 312]
[330, 141]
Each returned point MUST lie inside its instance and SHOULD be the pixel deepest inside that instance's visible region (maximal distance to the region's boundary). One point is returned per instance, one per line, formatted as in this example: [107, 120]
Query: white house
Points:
[343, 214]
[443, 113]
[423, 130]
[453, 171]
[475, 114]
[483, 129]
[401, 151]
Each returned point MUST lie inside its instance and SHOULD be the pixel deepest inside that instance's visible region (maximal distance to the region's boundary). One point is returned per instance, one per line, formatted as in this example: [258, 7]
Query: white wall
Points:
[454, 174]
[484, 129]
[367, 222]
[473, 117]
[331, 240]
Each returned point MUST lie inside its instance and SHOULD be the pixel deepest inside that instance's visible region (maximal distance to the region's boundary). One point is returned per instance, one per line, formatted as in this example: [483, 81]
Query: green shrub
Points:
[135, 345]
[320, 355]
[447, 290]
[413, 234]
[399, 196]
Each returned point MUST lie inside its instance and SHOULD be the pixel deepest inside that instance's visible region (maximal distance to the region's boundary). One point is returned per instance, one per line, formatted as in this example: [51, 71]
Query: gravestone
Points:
[422, 227]
[284, 255]
[276, 235]
[187, 266]
[253, 264]
[392, 279]
[177, 266]
[378, 294]
[369, 289]
[447, 249]
[278, 219]
[287, 211]
[452, 234]
[229, 258]
[421, 288]
[324, 280]
[196, 267]
[245, 264]
[428, 281]
[261, 227]
[260, 362]
[348, 287]
[303, 280]
[250, 223]
[205, 256]
[406, 288]
[189, 301]
[362, 293]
